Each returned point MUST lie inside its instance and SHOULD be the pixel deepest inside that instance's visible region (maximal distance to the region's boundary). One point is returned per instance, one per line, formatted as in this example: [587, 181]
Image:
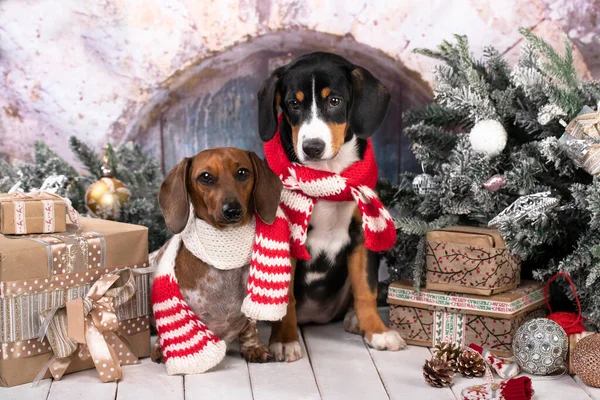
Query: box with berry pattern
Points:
[430, 317]
[470, 260]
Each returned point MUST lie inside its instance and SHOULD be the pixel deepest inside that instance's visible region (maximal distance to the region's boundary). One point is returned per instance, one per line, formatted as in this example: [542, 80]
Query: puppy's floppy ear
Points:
[268, 102]
[267, 189]
[173, 197]
[370, 99]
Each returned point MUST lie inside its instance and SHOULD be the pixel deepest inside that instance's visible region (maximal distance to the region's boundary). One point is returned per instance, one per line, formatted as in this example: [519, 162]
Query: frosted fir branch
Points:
[464, 98]
[550, 112]
[530, 79]
[549, 149]
[433, 114]
[419, 264]
[417, 226]
[87, 156]
[561, 68]
[497, 68]
[593, 274]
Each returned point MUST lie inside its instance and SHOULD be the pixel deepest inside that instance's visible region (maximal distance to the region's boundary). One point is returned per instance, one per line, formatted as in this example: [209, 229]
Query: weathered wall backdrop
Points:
[180, 75]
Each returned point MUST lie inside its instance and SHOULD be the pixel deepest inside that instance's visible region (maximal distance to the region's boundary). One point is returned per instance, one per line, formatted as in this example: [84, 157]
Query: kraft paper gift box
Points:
[23, 213]
[470, 260]
[429, 317]
[41, 272]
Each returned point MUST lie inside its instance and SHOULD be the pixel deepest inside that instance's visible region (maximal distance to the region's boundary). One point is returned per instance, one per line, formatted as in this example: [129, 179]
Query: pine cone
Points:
[438, 372]
[452, 352]
[471, 364]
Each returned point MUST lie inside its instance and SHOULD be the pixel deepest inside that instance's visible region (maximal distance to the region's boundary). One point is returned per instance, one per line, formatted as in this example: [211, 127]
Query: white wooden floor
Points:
[336, 365]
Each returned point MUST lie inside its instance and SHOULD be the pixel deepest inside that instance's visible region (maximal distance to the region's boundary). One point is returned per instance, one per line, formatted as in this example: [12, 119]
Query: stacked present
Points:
[473, 293]
[38, 212]
[72, 300]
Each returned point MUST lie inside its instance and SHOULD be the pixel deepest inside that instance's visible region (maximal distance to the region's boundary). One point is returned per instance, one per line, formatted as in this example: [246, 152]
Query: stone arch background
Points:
[213, 103]
[90, 69]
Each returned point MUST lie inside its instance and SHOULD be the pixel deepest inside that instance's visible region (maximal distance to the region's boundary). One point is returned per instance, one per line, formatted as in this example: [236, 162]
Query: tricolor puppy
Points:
[325, 108]
[221, 190]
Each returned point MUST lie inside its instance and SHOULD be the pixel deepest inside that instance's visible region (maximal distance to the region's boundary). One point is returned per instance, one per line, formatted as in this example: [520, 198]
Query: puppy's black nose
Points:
[313, 148]
[232, 211]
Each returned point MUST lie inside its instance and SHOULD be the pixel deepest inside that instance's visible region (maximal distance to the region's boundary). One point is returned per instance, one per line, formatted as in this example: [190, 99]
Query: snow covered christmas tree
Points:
[491, 138]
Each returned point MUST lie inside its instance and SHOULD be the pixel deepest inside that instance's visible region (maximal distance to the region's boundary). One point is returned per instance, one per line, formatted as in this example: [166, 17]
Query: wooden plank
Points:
[280, 380]
[228, 380]
[342, 365]
[592, 391]
[85, 384]
[401, 373]
[149, 380]
[26, 392]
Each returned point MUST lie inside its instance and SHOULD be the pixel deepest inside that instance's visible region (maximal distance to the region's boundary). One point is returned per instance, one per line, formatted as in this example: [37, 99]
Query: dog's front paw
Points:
[257, 354]
[351, 322]
[289, 352]
[389, 340]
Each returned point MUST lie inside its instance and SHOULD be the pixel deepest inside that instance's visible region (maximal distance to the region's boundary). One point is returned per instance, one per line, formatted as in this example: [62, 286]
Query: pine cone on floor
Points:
[438, 372]
[471, 364]
[452, 352]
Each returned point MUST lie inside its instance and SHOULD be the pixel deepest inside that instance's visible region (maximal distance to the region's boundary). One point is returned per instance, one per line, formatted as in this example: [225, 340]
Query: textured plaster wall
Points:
[86, 68]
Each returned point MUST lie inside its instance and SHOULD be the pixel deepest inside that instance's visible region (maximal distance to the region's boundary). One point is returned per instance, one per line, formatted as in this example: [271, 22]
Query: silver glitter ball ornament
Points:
[424, 185]
[540, 346]
[495, 183]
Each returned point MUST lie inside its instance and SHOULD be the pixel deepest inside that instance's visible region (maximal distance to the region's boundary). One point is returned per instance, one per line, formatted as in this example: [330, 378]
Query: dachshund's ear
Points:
[268, 103]
[267, 189]
[173, 197]
[370, 99]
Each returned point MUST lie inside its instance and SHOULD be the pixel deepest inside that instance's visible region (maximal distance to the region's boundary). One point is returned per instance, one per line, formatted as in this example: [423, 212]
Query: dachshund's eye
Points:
[206, 178]
[294, 104]
[335, 101]
[243, 174]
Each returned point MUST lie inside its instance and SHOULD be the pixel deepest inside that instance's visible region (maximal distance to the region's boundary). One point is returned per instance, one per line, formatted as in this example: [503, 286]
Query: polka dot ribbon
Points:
[88, 328]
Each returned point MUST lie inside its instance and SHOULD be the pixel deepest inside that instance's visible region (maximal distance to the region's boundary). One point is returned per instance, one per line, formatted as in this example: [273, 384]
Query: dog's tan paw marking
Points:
[390, 340]
[351, 322]
[289, 352]
[257, 354]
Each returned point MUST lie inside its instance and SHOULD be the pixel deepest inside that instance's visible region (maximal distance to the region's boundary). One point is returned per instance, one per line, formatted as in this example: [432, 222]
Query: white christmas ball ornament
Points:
[489, 137]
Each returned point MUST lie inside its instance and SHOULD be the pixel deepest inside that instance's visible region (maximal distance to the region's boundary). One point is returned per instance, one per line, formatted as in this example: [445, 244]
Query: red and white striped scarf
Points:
[304, 186]
[188, 345]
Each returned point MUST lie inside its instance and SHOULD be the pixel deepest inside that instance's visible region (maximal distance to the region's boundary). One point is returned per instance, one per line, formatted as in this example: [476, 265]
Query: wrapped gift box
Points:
[21, 214]
[429, 317]
[40, 272]
[470, 260]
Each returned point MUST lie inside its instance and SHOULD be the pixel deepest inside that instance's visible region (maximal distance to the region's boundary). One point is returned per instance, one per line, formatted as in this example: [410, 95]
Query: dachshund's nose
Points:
[232, 211]
[314, 148]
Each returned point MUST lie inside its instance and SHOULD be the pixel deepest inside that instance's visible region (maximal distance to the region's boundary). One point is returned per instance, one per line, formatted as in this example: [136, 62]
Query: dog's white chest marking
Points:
[329, 233]
[330, 220]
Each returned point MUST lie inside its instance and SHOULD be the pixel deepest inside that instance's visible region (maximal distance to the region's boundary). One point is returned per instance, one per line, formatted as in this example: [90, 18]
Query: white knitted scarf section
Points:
[224, 249]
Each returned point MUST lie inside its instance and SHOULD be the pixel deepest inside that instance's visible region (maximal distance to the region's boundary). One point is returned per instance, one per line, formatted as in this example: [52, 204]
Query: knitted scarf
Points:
[188, 345]
[304, 186]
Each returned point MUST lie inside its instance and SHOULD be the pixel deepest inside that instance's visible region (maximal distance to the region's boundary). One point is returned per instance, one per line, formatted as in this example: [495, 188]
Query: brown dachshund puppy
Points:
[225, 187]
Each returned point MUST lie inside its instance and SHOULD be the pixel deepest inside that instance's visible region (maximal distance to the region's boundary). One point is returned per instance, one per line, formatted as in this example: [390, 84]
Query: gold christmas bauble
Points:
[586, 360]
[105, 198]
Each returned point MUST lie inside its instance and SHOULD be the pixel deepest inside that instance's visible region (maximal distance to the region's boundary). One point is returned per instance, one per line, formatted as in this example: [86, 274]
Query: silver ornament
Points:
[540, 346]
[495, 183]
[531, 206]
[424, 185]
